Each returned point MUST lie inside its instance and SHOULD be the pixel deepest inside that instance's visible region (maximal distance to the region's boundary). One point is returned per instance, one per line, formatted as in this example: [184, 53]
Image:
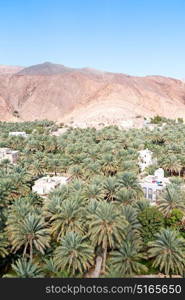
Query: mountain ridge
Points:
[59, 93]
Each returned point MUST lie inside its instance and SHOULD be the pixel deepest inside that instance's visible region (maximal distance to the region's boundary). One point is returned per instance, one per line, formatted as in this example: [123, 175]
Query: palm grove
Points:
[100, 212]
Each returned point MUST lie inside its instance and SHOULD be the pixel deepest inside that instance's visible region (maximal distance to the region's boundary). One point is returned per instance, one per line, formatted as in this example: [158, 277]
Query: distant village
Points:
[152, 185]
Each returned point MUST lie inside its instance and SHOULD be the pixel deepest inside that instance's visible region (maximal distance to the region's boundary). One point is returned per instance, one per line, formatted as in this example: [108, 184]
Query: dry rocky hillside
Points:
[86, 96]
[9, 69]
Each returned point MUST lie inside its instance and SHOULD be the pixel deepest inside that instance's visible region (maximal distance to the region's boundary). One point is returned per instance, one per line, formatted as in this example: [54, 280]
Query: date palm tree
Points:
[172, 197]
[21, 180]
[76, 171]
[68, 218]
[131, 216]
[30, 233]
[75, 254]
[51, 270]
[37, 168]
[141, 205]
[94, 191]
[76, 186]
[126, 260]
[124, 197]
[109, 165]
[23, 268]
[168, 252]
[110, 186]
[7, 189]
[172, 164]
[53, 165]
[106, 228]
[129, 181]
[3, 245]
[5, 164]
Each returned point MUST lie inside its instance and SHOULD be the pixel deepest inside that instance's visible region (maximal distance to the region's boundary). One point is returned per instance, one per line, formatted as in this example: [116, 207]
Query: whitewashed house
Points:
[45, 185]
[18, 133]
[152, 185]
[126, 124]
[60, 131]
[148, 125]
[145, 159]
[11, 155]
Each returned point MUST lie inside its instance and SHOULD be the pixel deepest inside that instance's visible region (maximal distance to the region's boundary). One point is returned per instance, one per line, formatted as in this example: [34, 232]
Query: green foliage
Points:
[51, 270]
[3, 245]
[25, 269]
[151, 220]
[168, 252]
[74, 254]
[173, 197]
[126, 260]
[100, 211]
[175, 219]
[68, 218]
[157, 120]
[180, 120]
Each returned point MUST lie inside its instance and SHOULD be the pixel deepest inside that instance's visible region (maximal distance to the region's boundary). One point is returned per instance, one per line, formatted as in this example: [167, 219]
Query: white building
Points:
[145, 159]
[45, 185]
[60, 131]
[126, 124]
[148, 125]
[18, 133]
[152, 185]
[11, 155]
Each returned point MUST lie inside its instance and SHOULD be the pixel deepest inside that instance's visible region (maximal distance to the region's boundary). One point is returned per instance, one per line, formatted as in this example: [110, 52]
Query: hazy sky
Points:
[137, 37]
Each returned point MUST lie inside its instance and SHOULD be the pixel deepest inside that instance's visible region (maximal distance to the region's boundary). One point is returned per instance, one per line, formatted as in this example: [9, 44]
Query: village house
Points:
[11, 155]
[126, 124]
[45, 185]
[18, 133]
[145, 159]
[153, 185]
[60, 131]
[148, 125]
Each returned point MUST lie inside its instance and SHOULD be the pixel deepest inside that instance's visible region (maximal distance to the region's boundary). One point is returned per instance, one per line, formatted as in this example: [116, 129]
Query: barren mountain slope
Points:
[59, 93]
[9, 69]
[5, 111]
[130, 98]
[46, 68]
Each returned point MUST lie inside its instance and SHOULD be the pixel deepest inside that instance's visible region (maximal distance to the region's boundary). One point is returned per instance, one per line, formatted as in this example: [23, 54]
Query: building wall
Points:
[12, 156]
[152, 192]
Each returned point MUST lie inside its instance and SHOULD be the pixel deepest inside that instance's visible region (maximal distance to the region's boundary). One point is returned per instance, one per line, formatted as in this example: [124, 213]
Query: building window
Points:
[150, 194]
[145, 192]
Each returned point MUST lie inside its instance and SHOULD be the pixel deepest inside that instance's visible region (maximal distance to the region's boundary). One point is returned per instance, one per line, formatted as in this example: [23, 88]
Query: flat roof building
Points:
[45, 185]
[153, 185]
[18, 133]
[11, 155]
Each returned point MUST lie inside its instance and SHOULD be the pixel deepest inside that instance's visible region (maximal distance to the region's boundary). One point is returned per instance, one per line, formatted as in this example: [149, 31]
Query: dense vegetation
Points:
[101, 212]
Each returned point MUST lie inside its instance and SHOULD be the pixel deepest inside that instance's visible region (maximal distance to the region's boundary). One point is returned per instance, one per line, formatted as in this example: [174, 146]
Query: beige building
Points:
[11, 155]
[45, 185]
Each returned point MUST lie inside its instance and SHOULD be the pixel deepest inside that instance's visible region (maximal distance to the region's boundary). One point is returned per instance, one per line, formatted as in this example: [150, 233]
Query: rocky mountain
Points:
[46, 68]
[55, 92]
[9, 69]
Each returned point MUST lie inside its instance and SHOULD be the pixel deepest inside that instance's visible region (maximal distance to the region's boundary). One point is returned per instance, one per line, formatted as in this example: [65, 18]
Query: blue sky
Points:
[137, 37]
